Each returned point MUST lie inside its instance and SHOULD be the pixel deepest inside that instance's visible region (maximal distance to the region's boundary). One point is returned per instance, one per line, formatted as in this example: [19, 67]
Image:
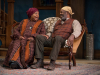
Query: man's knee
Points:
[58, 38]
[38, 36]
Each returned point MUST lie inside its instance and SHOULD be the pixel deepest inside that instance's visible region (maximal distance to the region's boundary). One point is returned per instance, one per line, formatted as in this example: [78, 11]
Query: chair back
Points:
[14, 26]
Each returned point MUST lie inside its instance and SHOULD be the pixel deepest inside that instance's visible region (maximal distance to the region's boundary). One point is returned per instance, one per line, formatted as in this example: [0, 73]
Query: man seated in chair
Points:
[21, 50]
[65, 29]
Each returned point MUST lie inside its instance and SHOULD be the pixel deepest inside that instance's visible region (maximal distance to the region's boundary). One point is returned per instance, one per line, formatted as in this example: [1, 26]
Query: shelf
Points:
[45, 6]
[3, 49]
[2, 34]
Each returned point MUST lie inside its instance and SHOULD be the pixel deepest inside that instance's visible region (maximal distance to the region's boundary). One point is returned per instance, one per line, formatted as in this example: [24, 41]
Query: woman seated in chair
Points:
[21, 50]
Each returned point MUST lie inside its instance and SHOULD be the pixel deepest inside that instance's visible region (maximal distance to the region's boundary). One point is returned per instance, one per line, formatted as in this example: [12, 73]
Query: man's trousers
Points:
[56, 43]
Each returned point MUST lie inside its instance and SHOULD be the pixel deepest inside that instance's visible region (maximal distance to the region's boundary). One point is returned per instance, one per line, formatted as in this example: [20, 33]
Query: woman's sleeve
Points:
[40, 30]
[18, 30]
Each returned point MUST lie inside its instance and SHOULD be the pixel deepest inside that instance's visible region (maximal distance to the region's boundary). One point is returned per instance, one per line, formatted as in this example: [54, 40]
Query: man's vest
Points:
[64, 30]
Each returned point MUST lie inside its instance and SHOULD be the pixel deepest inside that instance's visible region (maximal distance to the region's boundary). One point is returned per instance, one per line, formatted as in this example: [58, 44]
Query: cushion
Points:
[49, 24]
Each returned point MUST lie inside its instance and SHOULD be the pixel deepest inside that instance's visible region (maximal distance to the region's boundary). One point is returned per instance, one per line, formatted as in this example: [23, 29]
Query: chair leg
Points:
[70, 57]
[74, 61]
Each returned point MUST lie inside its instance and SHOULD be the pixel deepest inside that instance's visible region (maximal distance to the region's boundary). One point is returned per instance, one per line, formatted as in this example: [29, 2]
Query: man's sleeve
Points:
[77, 28]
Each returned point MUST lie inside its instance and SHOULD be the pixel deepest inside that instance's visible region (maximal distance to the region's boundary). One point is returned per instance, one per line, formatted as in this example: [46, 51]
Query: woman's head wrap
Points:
[31, 11]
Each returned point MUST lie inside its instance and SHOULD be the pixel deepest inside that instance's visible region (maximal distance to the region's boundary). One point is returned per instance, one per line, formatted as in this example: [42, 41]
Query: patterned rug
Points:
[61, 69]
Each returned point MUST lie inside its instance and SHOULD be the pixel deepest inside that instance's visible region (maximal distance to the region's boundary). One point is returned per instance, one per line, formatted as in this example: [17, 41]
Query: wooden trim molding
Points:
[59, 5]
[47, 7]
[10, 21]
[10, 1]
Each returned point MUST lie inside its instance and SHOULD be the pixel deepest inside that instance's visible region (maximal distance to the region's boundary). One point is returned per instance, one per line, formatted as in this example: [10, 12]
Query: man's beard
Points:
[63, 18]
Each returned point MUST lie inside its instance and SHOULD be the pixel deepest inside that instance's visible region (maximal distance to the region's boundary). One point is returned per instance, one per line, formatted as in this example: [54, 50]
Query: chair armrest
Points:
[77, 41]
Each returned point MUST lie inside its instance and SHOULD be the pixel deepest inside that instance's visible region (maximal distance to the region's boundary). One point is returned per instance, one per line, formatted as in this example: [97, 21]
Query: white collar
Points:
[63, 21]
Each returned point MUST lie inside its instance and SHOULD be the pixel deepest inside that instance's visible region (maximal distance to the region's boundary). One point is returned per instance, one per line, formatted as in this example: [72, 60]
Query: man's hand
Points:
[70, 40]
[21, 37]
[46, 36]
[31, 39]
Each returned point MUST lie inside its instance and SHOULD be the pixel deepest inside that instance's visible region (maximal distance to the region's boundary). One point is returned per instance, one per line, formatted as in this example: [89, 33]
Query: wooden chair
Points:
[49, 25]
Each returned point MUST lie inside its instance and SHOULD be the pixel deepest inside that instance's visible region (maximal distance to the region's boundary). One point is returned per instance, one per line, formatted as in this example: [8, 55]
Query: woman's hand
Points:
[21, 38]
[31, 39]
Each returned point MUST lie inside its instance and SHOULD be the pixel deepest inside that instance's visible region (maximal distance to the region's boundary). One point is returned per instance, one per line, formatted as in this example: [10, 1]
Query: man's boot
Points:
[39, 64]
[52, 65]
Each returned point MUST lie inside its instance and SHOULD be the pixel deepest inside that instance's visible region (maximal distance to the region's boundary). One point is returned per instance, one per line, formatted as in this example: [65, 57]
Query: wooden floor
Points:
[84, 61]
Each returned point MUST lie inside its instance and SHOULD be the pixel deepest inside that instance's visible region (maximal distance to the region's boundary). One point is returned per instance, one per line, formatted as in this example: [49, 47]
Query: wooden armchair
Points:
[49, 25]
[71, 51]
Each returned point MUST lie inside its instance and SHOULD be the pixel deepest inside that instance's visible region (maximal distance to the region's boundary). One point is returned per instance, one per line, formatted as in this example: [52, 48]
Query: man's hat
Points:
[68, 9]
